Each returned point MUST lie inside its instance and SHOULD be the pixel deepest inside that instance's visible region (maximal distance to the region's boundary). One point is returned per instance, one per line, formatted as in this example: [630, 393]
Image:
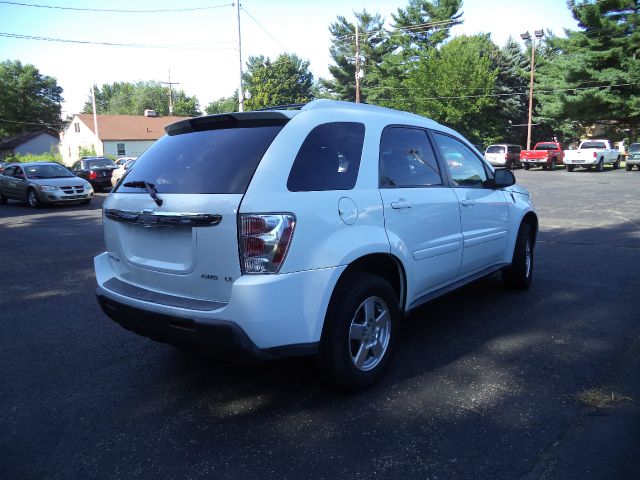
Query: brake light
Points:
[506, 157]
[595, 154]
[264, 241]
[93, 175]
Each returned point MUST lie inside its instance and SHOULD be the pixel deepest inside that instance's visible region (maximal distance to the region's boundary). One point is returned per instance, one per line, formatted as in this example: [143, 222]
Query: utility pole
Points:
[357, 63]
[526, 36]
[240, 92]
[170, 83]
[95, 113]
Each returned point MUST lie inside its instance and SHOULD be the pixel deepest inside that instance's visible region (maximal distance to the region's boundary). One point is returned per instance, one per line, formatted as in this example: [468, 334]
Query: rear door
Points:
[422, 214]
[484, 211]
[188, 245]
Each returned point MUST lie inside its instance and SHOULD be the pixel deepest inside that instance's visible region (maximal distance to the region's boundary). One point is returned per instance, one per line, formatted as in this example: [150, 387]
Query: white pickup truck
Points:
[592, 153]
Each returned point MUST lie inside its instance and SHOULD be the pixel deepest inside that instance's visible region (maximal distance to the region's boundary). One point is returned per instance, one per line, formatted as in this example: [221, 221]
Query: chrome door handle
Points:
[467, 203]
[400, 204]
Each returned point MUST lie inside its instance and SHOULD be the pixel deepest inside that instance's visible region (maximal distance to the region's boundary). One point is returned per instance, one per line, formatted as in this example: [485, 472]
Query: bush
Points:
[41, 157]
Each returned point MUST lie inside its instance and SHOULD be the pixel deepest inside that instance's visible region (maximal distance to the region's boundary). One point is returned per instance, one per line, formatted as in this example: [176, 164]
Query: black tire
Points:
[339, 352]
[627, 168]
[553, 164]
[545, 167]
[3, 199]
[526, 166]
[569, 168]
[32, 199]
[616, 164]
[600, 166]
[520, 273]
[86, 202]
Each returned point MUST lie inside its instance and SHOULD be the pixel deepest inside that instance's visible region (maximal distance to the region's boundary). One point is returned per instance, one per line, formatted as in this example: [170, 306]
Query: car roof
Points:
[25, 164]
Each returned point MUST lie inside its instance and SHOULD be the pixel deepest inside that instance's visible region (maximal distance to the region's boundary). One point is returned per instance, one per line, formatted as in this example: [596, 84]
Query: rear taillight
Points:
[595, 154]
[506, 157]
[264, 241]
[93, 175]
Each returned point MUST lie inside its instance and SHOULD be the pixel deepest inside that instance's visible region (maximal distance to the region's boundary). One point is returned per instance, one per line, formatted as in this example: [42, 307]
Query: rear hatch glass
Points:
[495, 149]
[198, 175]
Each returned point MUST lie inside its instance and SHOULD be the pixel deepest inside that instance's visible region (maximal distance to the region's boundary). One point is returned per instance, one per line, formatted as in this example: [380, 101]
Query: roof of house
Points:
[17, 140]
[128, 127]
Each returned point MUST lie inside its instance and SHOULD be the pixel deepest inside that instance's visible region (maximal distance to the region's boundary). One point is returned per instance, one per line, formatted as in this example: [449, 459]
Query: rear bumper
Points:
[581, 161]
[221, 337]
[266, 316]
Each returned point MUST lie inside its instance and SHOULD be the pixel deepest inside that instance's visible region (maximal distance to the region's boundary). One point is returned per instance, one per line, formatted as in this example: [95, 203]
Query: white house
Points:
[28, 143]
[117, 136]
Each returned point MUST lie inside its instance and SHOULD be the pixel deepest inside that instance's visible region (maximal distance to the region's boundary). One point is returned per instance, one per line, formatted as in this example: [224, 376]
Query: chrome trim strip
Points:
[149, 218]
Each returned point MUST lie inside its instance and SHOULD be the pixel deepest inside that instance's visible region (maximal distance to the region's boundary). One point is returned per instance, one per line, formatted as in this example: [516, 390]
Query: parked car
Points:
[122, 160]
[120, 171]
[41, 182]
[547, 155]
[593, 153]
[96, 170]
[503, 155]
[292, 232]
[2, 166]
[633, 156]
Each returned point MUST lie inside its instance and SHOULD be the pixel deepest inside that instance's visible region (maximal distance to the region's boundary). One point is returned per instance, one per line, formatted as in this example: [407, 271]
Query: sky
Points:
[199, 47]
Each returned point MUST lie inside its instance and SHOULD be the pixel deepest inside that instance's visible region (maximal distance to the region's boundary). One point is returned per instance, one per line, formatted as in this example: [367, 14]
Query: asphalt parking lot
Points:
[486, 384]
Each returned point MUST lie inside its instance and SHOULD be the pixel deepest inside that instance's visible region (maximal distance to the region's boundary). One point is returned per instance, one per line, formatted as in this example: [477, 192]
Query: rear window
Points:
[546, 146]
[593, 145]
[98, 163]
[329, 158]
[495, 149]
[210, 161]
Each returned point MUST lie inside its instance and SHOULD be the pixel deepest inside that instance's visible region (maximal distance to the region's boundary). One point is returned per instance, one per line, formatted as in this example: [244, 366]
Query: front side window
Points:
[465, 168]
[407, 159]
[329, 158]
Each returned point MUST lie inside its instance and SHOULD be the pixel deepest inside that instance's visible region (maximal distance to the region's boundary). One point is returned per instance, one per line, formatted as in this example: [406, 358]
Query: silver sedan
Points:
[41, 182]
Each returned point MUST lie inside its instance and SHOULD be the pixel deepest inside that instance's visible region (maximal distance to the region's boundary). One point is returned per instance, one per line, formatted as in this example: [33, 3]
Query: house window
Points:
[76, 127]
[69, 152]
[120, 147]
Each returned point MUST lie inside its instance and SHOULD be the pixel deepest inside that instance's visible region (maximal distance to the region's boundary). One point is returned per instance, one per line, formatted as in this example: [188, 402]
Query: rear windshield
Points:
[98, 163]
[495, 149]
[593, 145]
[546, 146]
[211, 161]
[635, 147]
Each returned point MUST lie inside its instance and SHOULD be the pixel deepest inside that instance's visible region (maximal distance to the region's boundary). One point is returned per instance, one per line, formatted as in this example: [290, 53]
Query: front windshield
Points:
[47, 171]
[635, 148]
[99, 163]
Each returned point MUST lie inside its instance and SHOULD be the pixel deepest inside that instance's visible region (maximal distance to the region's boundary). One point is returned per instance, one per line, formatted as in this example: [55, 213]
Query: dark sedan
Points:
[42, 182]
[96, 170]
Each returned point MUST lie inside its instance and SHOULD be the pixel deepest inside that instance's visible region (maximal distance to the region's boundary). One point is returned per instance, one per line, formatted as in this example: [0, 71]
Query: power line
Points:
[186, 46]
[262, 28]
[29, 123]
[115, 10]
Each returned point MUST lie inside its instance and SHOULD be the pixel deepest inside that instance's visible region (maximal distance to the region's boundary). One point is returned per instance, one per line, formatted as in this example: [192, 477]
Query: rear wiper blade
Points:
[149, 187]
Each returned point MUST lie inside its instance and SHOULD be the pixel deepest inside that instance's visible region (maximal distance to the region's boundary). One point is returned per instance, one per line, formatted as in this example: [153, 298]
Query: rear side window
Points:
[210, 161]
[329, 158]
[407, 159]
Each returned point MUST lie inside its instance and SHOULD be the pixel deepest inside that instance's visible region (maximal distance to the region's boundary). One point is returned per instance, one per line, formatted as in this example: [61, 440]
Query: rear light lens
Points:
[595, 154]
[264, 241]
[93, 175]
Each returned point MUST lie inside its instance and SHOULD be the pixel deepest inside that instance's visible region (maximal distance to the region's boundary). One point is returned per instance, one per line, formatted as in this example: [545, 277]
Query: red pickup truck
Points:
[545, 154]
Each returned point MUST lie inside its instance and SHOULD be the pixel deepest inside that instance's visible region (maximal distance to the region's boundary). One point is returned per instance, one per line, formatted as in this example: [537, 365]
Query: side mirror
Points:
[503, 177]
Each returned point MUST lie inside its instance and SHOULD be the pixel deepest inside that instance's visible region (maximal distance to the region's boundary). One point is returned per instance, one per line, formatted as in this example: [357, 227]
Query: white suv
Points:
[306, 232]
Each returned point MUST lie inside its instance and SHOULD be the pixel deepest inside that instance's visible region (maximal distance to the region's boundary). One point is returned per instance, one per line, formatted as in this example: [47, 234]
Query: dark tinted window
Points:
[407, 159]
[329, 158]
[98, 163]
[593, 145]
[546, 146]
[211, 161]
[47, 171]
[465, 167]
[8, 172]
[513, 149]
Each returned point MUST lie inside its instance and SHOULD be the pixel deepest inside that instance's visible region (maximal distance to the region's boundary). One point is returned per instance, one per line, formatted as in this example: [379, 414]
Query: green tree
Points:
[455, 86]
[28, 99]
[125, 98]
[286, 80]
[592, 77]
[417, 32]
[223, 105]
[374, 45]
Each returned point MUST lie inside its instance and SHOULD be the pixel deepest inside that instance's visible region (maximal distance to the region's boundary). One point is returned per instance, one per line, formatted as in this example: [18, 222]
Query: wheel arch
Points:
[531, 219]
[384, 265]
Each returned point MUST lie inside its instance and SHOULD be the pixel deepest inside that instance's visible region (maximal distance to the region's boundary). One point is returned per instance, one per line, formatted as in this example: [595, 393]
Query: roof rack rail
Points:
[290, 106]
